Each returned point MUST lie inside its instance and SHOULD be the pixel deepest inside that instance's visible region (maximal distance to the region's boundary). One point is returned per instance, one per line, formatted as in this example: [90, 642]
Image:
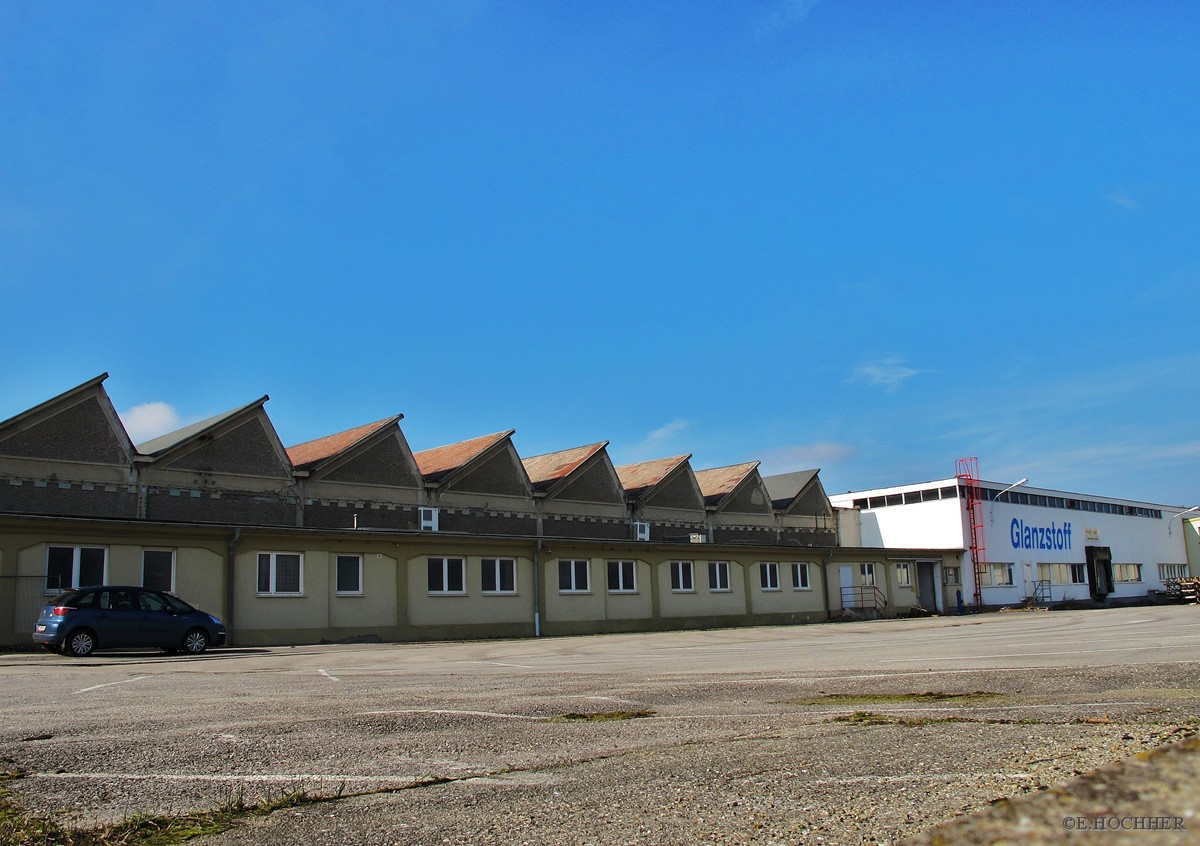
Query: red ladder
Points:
[967, 472]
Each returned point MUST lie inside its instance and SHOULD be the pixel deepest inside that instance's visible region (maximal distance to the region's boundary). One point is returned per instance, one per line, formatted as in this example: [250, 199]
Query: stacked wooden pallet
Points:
[1184, 590]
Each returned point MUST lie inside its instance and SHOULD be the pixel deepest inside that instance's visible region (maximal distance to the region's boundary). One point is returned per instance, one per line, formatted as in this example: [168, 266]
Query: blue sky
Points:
[860, 236]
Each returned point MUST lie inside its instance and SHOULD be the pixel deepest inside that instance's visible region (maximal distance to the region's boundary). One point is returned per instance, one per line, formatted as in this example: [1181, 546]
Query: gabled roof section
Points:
[439, 464]
[736, 489]
[718, 484]
[164, 443]
[241, 442]
[550, 470]
[640, 479]
[800, 492]
[310, 453]
[77, 425]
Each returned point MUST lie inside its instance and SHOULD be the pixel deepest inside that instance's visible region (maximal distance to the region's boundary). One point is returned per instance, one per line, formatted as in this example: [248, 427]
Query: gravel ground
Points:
[464, 749]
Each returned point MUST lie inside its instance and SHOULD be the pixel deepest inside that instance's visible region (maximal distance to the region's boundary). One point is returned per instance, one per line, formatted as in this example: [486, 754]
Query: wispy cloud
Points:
[784, 16]
[149, 420]
[657, 444]
[1118, 198]
[888, 373]
[785, 459]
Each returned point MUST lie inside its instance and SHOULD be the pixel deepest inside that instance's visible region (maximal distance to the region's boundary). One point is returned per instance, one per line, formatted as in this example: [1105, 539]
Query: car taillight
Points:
[61, 610]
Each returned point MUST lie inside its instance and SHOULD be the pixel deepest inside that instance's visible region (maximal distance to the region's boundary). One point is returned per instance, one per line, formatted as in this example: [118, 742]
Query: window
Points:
[866, 571]
[998, 575]
[953, 575]
[622, 577]
[348, 575]
[158, 569]
[280, 574]
[903, 574]
[75, 566]
[1127, 572]
[1063, 574]
[718, 576]
[447, 576]
[800, 576]
[681, 576]
[573, 576]
[499, 575]
[1172, 571]
[768, 575]
[427, 518]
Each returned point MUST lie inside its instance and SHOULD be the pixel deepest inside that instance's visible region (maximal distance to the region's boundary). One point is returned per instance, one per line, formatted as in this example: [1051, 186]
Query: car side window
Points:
[153, 602]
[102, 600]
[122, 600]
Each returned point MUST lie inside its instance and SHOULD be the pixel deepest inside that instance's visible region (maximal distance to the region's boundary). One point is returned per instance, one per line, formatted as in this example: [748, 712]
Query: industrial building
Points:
[1028, 544]
[355, 536]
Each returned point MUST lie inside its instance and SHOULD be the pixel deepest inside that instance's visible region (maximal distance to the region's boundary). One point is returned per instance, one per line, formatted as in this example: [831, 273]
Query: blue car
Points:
[79, 621]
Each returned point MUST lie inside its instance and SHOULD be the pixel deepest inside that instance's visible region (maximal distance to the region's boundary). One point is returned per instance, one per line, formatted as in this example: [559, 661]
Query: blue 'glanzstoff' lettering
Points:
[1053, 536]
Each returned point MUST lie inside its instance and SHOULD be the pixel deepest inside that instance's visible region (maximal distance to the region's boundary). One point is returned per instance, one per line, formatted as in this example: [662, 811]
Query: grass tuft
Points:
[600, 717]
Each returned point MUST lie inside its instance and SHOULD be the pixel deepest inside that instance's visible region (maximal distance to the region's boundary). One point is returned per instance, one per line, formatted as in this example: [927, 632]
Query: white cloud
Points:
[149, 420]
[785, 459]
[887, 373]
[786, 15]
[656, 444]
[1123, 200]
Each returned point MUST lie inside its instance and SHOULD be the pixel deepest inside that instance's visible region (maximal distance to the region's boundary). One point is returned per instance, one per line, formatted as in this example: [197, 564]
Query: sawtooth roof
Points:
[305, 455]
[640, 477]
[438, 463]
[719, 482]
[547, 470]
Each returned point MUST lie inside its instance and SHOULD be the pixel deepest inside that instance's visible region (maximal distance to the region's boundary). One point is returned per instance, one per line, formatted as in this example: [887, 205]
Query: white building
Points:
[1030, 542]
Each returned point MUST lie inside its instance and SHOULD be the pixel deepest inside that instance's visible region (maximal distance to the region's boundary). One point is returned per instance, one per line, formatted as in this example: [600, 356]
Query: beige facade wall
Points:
[472, 606]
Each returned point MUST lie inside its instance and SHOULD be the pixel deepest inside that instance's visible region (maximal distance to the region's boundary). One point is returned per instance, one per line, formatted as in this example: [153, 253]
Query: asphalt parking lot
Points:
[836, 733]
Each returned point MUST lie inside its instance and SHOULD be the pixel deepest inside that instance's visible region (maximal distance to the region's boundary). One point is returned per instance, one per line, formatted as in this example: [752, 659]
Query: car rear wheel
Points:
[195, 641]
[81, 643]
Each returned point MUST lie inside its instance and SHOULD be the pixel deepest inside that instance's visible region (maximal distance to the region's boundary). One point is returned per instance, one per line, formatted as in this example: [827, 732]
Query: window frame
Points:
[768, 576]
[172, 553]
[620, 568]
[683, 577]
[718, 571]
[337, 573]
[76, 567]
[572, 568]
[952, 575]
[866, 573]
[495, 567]
[1120, 569]
[1165, 572]
[991, 574]
[903, 574]
[446, 563]
[273, 574]
[799, 567]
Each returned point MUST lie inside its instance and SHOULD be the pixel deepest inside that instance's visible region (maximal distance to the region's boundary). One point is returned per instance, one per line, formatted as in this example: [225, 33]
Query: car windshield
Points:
[176, 603]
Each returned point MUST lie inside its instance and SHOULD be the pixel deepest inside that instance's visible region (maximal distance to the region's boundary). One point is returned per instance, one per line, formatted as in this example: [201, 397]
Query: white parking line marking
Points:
[110, 684]
[326, 675]
[451, 712]
[282, 777]
[502, 664]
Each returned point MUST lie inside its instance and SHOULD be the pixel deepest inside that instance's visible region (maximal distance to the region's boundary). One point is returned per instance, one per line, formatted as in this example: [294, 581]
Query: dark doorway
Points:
[927, 585]
[1099, 571]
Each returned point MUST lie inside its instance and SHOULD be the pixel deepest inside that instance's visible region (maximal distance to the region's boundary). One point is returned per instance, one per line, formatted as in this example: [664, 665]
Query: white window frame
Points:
[427, 519]
[170, 552]
[496, 567]
[903, 574]
[683, 577]
[447, 563]
[801, 576]
[621, 568]
[337, 566]
[768, 575]
[641, 530]
[572, 568]
[76, 554]
[952, 575]
[1127, 573]
[718, 577]
[1167, 572]
[991, 571]
[273, 574]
